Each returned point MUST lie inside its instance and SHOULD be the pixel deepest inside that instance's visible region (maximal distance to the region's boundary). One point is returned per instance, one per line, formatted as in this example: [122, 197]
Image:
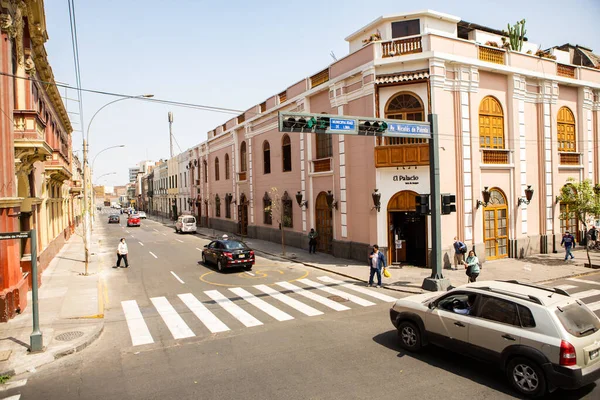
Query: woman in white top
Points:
[122, 253]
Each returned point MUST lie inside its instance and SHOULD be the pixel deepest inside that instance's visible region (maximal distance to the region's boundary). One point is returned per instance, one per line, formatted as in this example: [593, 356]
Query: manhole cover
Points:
[339, 299]
[68, 336]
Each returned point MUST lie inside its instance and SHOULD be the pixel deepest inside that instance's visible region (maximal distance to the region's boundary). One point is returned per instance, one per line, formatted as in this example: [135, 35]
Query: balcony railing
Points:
[322, 165]
[565, 70]
[495, 156]
[401, 47]
[491, 54]
[241, 176]
[569, 158]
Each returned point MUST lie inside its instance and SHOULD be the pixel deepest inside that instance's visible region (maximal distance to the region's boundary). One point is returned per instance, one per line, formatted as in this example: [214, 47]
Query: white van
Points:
[185, 223]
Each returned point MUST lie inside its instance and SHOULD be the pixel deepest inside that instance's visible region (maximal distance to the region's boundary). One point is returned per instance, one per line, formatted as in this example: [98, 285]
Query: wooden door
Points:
[495, 226]
[324, 222]
[568, 221]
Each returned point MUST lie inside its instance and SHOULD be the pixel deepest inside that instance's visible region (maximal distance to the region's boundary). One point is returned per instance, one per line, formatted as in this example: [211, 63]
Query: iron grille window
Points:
[324, 145]
[267, 210]
[266, 157]
[286, 150]
[228, 206]
[217, 206]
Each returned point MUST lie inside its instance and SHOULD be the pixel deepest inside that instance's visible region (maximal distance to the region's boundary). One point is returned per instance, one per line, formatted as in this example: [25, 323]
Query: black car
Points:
[227, 254]
[113, 218]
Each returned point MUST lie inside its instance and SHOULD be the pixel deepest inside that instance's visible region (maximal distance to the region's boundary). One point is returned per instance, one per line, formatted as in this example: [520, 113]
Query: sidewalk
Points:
[540, 268]
[71, 309]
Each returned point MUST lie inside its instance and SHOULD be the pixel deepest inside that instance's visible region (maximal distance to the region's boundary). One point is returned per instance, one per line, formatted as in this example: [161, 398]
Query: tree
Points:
[583, 201]
[280, 212]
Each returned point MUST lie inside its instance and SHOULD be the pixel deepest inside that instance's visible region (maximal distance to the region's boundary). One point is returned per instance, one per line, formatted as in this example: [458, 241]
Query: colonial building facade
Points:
[40, 181]
[507, 120]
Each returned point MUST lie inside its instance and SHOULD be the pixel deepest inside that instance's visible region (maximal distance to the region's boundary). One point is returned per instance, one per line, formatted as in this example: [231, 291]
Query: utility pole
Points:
[171, 131]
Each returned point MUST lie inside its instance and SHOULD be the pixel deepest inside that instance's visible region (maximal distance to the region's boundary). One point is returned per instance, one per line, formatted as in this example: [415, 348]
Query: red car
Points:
[133, 220]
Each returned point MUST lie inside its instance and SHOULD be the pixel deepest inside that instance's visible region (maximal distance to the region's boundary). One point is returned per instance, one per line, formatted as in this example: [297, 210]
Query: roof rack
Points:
[549, 289]
[528, 297]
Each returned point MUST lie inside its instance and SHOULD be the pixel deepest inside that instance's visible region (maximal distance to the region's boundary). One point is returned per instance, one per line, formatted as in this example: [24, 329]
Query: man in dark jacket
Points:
[568, 241]
[376, 263]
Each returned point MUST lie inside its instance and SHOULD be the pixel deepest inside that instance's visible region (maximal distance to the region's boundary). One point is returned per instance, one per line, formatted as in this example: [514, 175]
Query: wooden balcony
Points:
[567, 71]
[402, 155]
[322, 165]
[495, 156]
[491, 54]
[568, 158]
[242, 176]
[58, 167]
[400, 47]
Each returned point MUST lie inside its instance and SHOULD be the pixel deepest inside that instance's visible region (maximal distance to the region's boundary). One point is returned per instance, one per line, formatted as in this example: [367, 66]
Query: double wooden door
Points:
[495, 227]
[324, 220]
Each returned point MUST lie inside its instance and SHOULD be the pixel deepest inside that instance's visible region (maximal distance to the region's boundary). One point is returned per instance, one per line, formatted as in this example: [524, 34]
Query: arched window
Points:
[566, 130]
[266, 158]
[267, 210]
[406, 106]
[205, 171]
[226, 166]
[217, 169]
[243, 158]
[286, 151]
[491, 124]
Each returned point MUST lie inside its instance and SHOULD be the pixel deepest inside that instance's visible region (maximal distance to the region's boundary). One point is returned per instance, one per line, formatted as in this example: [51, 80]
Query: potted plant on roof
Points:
[374, 37]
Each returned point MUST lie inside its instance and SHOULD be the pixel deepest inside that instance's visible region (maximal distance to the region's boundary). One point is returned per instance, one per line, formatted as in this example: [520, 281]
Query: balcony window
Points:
[491, 124]
[406, 28]
[405, 106]
[243, 157]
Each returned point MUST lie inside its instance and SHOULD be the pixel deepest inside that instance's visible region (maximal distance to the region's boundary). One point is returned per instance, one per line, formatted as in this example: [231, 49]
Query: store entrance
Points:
[407, 231]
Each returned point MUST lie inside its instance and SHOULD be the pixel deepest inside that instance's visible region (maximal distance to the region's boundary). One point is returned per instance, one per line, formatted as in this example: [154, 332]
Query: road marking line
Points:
[262, 305]
[249, 273]
[594, 306]
[583, 281]
[336, 292]
[233, 309]
[164, 234]
[154, 255]
[359, 289]
[584, 294]
[180, 241]
[209, 320]
[141, 243]
[174, 322]
[15, 397]
[12, 385]
[565, 287]
[198, 249]
[303, 308]
[127, 231]
[156, 229]
[313, 296]
[176, 277]
[137, 327]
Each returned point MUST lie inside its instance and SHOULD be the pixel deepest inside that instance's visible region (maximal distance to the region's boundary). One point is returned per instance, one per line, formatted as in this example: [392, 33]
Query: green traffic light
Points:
[382, 127]
[311, 122]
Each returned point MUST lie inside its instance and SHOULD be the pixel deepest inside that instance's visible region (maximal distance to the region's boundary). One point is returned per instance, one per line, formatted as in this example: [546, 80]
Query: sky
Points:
[234, 54]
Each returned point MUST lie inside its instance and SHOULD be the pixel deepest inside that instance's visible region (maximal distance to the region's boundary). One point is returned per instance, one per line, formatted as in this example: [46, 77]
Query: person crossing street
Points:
[122, 252]
[568, 241]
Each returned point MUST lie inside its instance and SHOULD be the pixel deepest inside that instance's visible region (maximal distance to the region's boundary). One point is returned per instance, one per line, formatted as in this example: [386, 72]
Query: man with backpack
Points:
[460, 249]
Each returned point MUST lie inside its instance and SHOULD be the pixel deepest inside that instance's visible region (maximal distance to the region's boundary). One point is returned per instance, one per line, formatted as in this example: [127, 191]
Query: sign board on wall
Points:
[415, 179]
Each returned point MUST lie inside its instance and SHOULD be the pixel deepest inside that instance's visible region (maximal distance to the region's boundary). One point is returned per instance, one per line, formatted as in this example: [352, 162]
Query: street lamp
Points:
[86, 180]
[102, 151]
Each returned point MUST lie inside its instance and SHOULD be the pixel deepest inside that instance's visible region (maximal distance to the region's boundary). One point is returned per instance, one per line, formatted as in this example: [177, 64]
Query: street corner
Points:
[259, 275]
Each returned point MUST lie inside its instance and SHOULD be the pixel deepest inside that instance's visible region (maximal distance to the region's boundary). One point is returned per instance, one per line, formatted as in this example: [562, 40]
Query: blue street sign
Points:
[408, 129]
[342, 124]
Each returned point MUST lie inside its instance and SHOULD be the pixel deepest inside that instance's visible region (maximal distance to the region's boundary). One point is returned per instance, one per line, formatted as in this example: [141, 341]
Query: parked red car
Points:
[133, 220]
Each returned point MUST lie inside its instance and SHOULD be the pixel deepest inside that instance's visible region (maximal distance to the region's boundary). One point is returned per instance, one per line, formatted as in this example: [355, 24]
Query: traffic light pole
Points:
[436, 281]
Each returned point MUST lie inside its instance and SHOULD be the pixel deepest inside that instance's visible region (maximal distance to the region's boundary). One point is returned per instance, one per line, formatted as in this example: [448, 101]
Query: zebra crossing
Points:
[585, 290]
[275, 303]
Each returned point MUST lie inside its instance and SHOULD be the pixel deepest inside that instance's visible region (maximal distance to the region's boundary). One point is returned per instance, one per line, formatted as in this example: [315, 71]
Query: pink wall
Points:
[320, 103]
[297, 89]
[354, 60]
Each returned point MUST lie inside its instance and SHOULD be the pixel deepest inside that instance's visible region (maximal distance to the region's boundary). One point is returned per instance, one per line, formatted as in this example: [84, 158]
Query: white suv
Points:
[543, 338]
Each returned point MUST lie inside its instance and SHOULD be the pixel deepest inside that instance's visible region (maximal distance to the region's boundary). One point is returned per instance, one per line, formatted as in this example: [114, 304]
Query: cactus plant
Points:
[516, 34]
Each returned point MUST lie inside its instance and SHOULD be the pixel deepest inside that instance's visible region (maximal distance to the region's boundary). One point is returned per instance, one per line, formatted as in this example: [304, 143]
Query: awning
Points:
[402, 77]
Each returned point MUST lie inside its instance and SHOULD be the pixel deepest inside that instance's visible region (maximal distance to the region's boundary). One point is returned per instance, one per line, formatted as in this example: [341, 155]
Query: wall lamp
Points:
[330, 202]
[486, 197]
[301, 203]
[527, 198]
[597, 189]
[376, 200]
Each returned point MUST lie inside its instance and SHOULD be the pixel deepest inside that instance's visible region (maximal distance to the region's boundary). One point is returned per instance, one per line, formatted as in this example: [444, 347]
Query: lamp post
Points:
[93, 195]
[87, 181]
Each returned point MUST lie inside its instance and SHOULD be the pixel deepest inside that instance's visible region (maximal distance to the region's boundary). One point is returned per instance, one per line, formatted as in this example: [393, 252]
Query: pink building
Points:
[507, 119]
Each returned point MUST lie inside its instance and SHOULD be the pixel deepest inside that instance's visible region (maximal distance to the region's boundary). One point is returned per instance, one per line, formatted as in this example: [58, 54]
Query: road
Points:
[176, 329]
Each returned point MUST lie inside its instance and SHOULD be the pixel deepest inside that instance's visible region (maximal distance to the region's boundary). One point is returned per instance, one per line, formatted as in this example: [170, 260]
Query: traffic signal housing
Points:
[371, 127]
[300, 122]
[448, 205]
[422, 204]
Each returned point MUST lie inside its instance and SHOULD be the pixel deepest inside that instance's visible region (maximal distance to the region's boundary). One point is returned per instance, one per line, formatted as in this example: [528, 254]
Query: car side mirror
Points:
[431, 305]
[206, 246]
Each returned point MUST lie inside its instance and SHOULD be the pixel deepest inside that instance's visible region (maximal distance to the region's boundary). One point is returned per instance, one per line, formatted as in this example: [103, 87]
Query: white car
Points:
[186, 223]
[541, 337]
[141, 214]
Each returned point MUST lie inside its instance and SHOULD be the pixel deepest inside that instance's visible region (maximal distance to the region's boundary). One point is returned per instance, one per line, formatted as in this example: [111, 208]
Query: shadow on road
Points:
[466, 367]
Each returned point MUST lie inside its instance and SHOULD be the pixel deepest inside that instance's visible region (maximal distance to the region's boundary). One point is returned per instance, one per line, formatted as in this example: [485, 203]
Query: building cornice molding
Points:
[11, 202]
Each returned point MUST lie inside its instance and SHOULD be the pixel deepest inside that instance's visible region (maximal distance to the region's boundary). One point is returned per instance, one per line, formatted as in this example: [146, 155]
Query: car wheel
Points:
[220, 265]
[204, 259]
[248, 267]
[526, 377]
[410, 336]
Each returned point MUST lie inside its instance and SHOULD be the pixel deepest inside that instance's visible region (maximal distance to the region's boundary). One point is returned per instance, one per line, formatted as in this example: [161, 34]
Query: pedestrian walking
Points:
[568, 241]
[472, 266]
[122, 252]
[460, 249]
[377, 262]
[312, 241]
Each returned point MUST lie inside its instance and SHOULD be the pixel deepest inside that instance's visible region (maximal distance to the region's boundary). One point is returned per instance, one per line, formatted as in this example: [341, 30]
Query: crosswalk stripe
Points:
[137, 327]
[584, 294]
[357, 288]
[174, 322]
[565, 287]
[313, 296]
[262, 305]
[209, 320]
[15, 397]
[303, 308]
[13, 385]
[233, 309]
[336, 292]
[583, 281]
[594, 306]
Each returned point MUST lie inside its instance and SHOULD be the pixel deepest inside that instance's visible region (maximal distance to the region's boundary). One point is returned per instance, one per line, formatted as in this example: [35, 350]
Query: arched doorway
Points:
[568, 219]
[243, 215]
[324, 221]
[495, 226]
[407, 231]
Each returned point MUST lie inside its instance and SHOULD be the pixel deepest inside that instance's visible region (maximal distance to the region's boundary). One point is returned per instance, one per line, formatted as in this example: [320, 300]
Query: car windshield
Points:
[577, 319]
[188, 221]
[231, 245]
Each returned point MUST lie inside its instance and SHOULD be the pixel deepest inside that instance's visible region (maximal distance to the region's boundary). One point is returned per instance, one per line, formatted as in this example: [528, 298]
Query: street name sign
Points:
[14, 235]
